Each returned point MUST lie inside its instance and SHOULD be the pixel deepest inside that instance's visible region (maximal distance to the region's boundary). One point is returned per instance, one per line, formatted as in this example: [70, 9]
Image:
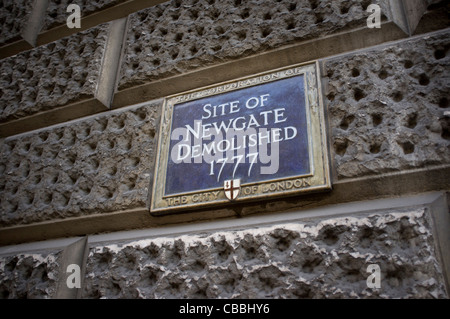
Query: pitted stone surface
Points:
[386, 107]
[178, 36]
[97, 165]
[57, 14]
[52, 75]
[30, 276]
[311, 259]
[14, 15]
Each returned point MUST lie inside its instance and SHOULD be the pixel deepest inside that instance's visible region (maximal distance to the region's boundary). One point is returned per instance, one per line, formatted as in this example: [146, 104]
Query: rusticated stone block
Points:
[386, 107]
[53, 75]
[29, 276]
[325, 258]
[178, 36]
[14, 15]
[95, 165]
[57, 10]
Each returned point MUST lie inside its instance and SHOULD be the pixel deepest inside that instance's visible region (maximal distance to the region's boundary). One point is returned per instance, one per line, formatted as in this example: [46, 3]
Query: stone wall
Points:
[52, 75]
[56, 14]
[14, 15]
[101, 164]
[386, 107]
[320, 254]
[30, 276]
[80, 117]
[173, 38]
[325, 258]
[105, 163]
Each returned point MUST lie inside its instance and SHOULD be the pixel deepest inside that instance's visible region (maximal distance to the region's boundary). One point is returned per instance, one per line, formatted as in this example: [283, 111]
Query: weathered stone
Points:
[14, 15]
[325, 258]
[59, 73]
[386, 107]
[30, 276]
[57, 10]
[96, 165]
[179, 36]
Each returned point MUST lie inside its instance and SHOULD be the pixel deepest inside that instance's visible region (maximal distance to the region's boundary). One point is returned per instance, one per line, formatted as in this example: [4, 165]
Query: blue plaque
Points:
[258, 136]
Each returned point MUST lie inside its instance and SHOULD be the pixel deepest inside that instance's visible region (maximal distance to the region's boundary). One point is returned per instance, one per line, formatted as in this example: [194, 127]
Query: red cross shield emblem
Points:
[232, 188]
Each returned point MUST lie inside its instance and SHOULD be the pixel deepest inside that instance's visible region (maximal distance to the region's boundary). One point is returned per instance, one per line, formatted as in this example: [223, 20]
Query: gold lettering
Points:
[307, 182]
[277, 186]
[289, 184]
[249, 190]
[216, 194]
[204, 197]
[298, 183]
[176, 201]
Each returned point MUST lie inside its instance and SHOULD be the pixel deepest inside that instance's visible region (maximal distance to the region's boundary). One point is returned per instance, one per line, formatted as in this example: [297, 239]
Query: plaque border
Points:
[317, 180]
